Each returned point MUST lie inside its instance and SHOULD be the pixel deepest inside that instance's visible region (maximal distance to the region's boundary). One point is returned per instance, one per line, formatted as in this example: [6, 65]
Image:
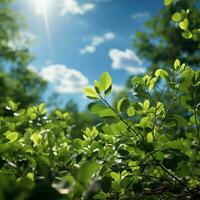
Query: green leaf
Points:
[12, 105]
[87, 170]
[26, 182]
[152, 83]
[100, 196]
[181, 120]
[187, 34]
[161, 73]
[176, 17]
[41, 107]
[137, 80]
[146, 105]
[169, 124]
[150, 137]
[11, 136]
[116, 186]
[131, 111]
[167, 2]
[115, 176]
[176, 144]
[101, 110]
[97, 87]
[122, 105]
[145, 122]
[106, 82]
[36, 137]
[184, 24]
[91, 93]
[192, 119]
[177, 64]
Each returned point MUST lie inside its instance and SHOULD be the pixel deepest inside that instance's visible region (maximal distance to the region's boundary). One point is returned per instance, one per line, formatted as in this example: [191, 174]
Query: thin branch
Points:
[120, 118]
[168, 172]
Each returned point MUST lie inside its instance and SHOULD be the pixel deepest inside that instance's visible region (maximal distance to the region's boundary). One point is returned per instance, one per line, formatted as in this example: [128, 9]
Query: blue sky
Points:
[74, 41]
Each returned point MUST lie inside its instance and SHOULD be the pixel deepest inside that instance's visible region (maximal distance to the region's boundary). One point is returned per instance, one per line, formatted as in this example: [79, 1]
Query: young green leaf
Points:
[177, 64]
[97, 87]
[12, 105]
[131, 111]
[161, 73]
[106, 82]
[91, 93]
[187, 34]
[152, 83]
[11, 136]
[176, 17]
[167, 2]
[115, 176]
[137, 80]
[150, 137]
[36, 137]
[184, 24]
[146, 105]
[122, 105]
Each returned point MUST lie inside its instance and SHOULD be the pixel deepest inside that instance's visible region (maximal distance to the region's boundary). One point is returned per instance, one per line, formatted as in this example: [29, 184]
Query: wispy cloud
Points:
[126, 60]
[140, 15]
[63, 78]
[117, 88]
[74, 7]
[96, 41]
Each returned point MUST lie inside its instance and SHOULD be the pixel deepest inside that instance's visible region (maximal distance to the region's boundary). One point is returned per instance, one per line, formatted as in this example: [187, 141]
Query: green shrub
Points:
[149, 147]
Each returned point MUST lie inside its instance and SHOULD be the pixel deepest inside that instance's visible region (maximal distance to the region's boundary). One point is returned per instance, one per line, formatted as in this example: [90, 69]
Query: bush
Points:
[150, 148]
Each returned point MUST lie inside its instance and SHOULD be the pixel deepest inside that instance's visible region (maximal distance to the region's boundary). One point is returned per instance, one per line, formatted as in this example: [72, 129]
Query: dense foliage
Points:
[141, 153]
[164, 40]
[145, 146]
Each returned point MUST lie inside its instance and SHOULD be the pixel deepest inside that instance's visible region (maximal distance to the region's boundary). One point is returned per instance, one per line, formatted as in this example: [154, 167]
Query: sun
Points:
[42, 6]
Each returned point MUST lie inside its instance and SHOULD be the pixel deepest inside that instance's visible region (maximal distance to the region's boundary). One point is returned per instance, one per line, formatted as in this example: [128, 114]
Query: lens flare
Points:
[43, 8]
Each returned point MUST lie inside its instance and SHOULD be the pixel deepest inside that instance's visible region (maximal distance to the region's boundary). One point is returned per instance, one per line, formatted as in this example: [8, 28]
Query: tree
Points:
[18, 82]
[163, 40]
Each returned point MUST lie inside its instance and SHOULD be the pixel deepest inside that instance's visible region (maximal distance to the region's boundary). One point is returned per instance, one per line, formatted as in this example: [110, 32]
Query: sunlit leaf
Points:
[87, 170]
[150, 137]
[91, 93]
[122, 105]
[106, 82]
[177, 17]
[11, 136]
[146, 105]
[36, 137]
[131, 111]
[168, 2]
[184, 24]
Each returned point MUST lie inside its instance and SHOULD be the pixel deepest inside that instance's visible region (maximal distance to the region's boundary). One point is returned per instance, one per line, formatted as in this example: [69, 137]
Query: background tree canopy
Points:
[163, 41]
[18, 83]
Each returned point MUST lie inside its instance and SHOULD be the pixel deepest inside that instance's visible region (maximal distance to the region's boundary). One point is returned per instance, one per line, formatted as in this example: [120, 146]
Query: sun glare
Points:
[42, 6]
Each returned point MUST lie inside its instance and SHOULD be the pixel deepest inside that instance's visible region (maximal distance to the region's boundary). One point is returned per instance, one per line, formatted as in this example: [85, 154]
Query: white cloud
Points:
[117, 88]
[126, 60]
[140, 15]
[64, 79]
[96, 41]
[74, 7]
